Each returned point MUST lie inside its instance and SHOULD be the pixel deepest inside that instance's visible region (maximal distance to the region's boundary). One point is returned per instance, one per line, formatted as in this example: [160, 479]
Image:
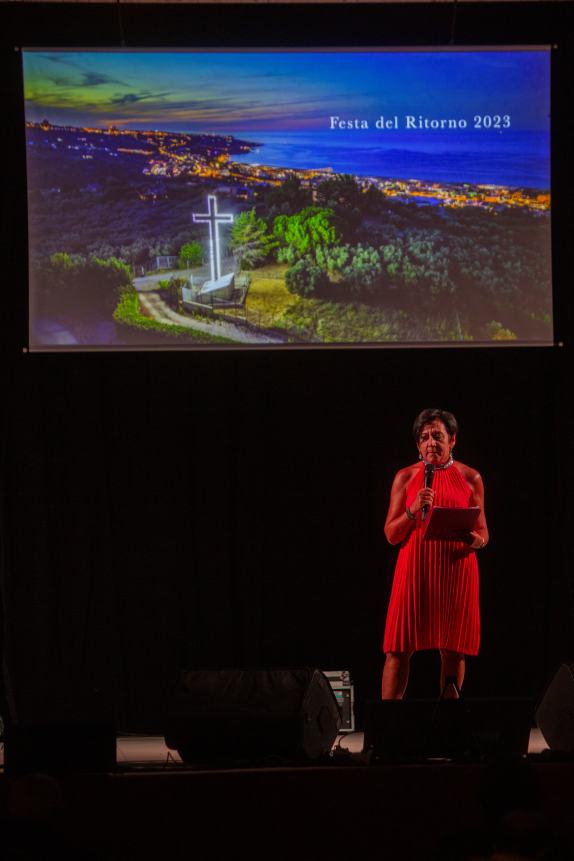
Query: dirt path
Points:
[160, 311]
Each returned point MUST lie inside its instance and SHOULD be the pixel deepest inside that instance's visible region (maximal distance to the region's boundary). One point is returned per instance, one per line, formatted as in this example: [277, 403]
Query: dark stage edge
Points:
[145, 810]
[141, 751]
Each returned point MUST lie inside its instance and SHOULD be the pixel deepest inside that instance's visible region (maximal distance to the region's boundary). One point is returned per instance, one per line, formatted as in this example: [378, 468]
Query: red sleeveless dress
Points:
[434, 598]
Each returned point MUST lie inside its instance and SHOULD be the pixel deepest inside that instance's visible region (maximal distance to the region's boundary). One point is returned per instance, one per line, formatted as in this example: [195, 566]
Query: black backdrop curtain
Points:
[176, 510]
[221, 510]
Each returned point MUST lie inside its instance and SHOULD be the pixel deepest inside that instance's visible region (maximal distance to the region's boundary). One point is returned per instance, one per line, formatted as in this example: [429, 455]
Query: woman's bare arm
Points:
[480, 532]
[397, 524]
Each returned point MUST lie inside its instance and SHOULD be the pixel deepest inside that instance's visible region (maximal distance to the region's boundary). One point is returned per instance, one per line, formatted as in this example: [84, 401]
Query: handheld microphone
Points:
[429, 475]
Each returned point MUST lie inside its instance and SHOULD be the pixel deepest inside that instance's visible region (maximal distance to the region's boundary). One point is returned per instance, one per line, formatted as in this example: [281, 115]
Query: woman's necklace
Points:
[446, 465]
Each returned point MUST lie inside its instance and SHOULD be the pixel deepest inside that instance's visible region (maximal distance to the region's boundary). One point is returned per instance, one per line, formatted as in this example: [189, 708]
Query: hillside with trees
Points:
[359, 265]
[444, 274]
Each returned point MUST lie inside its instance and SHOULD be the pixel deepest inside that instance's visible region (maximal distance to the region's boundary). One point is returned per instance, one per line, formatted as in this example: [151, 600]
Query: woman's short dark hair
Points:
[431, 415]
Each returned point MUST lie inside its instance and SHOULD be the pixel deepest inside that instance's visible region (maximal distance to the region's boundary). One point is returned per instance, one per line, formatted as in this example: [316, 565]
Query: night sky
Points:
[233, 92]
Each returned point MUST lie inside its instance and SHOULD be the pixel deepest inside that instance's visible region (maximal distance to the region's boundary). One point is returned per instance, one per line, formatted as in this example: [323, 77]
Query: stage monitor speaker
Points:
[59, 747]
[252, 715]
[461, 730]
[555, 712]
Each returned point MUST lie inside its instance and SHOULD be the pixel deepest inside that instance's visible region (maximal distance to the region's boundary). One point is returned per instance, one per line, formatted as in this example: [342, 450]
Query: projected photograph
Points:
[287, 199]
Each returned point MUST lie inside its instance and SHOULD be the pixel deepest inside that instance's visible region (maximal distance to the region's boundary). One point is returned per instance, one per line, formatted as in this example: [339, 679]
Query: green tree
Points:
[333, 258]
[305, 278]
[250, 241]
[344, 196]
[83, 285]
[190, 254]
[300, 234]
[103, 281]
[363, 276]
[342, 189]
[61, 269]
[288, 198]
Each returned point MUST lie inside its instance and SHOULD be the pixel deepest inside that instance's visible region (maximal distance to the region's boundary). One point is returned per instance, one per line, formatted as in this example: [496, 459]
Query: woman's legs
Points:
[452, 664]
[395, 675]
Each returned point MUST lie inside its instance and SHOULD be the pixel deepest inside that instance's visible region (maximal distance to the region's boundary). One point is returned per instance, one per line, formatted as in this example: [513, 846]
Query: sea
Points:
[519, 159]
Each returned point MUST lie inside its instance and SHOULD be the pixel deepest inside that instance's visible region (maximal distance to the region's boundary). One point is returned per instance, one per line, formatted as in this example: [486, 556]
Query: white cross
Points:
[213, 218]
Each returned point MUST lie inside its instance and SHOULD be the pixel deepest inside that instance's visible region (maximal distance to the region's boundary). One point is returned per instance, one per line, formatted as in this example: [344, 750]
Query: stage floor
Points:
[139, 750]
[143, 750]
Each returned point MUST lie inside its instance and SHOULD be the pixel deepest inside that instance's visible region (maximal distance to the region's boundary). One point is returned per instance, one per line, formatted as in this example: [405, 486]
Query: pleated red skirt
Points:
[434, 598]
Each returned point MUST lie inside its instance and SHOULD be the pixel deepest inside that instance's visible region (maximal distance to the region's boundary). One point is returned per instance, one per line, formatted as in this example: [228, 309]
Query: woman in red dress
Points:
[434, 598]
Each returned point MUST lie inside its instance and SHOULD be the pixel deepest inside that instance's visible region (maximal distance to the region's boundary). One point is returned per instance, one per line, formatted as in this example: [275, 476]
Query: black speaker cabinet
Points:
[555, 713]
[253, 715]
[465, 730]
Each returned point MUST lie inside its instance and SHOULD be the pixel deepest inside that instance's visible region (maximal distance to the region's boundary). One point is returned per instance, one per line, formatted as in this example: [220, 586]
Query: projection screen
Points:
[285, 199]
